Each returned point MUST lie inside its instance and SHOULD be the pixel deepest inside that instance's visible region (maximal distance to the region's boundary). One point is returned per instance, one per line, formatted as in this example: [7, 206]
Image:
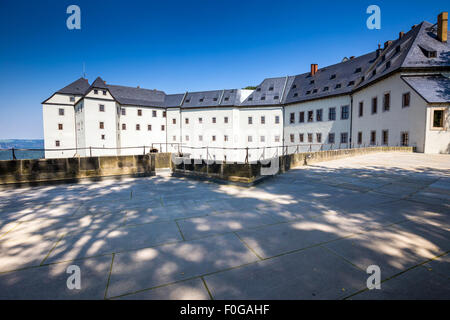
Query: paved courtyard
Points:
[308, 234]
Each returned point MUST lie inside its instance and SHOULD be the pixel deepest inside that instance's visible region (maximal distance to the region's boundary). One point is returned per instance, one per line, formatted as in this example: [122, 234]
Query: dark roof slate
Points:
[434, 89]
[77, 87]
[137, 96]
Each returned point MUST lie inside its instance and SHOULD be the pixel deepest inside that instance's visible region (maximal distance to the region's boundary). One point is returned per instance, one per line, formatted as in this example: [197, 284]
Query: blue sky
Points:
[179, 46]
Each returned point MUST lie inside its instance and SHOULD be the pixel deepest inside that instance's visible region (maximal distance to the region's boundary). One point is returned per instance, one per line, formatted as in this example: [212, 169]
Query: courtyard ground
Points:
[308, 234]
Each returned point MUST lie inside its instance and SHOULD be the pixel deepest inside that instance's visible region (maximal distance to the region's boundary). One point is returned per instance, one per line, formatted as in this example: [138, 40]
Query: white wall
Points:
[324, 127]
[437, 140]
[411, 119]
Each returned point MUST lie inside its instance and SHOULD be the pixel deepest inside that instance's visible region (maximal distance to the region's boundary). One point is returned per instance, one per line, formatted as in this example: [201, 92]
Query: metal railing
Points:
[246, 154]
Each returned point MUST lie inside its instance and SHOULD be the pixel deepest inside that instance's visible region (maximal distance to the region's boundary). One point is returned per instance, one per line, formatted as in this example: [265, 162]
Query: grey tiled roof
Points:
[267, 93]
[77, 87]
[98, 83]
[332, 80]
[137, 96]
[173, 100]
[434, 89]
[202, 99]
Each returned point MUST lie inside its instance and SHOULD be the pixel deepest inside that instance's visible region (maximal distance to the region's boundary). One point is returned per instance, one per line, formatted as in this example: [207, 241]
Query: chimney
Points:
[378, 50]
[314, 68]
[401, 34]
[442, 26]
[413, 26]
[138, 87]
[387, 44]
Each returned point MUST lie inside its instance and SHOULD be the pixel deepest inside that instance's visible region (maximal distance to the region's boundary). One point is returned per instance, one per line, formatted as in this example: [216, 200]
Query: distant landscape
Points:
[21, 144]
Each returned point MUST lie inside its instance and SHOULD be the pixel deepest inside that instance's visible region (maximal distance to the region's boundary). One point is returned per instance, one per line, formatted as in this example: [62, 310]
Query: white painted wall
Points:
[437, 140]
[324, 127]
[411, 119]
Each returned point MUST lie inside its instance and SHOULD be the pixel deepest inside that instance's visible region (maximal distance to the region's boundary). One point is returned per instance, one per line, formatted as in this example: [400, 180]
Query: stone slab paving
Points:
[307, 234]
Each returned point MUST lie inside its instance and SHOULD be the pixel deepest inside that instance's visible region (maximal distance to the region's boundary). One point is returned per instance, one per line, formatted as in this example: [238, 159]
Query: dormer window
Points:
[315, 91]
[215, 99]
[263, 98]
[428, 52]
[351, 83]
[388, 65]
[202, 99]
[338, 86]
[308, 92]
[188, 100]
[271, 89]
[95, 91]
[227, 98]
[276, 97]
[294, 86]
[295, 95]
[311, 82]
[258, 89]
[326, 89]
[333, 76]
[374, 72]
[397, 49]
[250, 99]
[358, 70]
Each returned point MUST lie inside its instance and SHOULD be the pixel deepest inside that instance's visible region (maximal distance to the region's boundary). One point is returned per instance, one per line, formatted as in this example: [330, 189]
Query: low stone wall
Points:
[162, 160]
[250, 173]
[30, 171]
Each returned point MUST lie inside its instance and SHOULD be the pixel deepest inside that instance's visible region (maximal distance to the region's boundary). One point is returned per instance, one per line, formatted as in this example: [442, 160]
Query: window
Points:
[301, 137]
[174, 121]
[373, 138]
[186, 120]
[214, 120]
[249, 138]
[57, 143]
[174, 138]
[101, 108]
[319, 115]
[138, 127]
[295, 95]
[326, 88]
[101, 125]
[227, 98]
[215, 99]
[154, 113]
[358, 70]
[213, 138]
[163, 127]
[60, 126]
[404, 139]
[277, 119]
[103, 137]
[292, 137]
[201, 99]
[314, 91]
[225, 120]
[331, 138]
[310, 116]
[271, 89]
[61, 112]
[386, 101]
[200, 120]
[319, 137]
[263, 120]
[438, 119]
[338, 86]
[277, 138]
[385, 137]
[95, 91]
[188, 100]
[406, 100]
[200, 138]
[72, 99]
[149, 127]
[250, 99]
[225, 138]
[344, 113]
[124, 126]
[124, 112]
[332, 114]
[164, 114]
[344, 137]
[263, 98]
[276, 97]
[310, 137]
[250, 120]
[139, 112]
[292, 118]
[301, 117]
[333, 76]
[374, 105]
[361, 109]
[104, 92]
[187, 138]
[359, 137]
[351, 83]
[263, 139]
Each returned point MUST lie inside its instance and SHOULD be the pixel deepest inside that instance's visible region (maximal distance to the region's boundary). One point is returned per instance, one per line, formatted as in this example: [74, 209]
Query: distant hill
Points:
[21, 144]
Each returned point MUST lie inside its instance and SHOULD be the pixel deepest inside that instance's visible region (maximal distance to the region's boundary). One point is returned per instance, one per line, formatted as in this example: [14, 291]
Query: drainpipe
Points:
[351, 120]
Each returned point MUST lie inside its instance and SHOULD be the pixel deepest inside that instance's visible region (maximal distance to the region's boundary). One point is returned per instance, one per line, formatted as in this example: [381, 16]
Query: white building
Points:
[396, 95]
